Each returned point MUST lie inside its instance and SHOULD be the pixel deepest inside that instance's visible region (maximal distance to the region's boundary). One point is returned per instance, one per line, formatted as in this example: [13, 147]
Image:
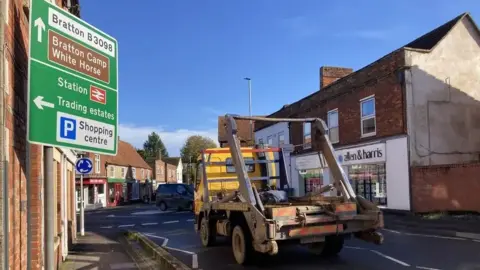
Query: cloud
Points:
[173, 140]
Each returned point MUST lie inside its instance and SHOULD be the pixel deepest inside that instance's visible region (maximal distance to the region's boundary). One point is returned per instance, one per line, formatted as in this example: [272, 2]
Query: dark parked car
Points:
[176, 196]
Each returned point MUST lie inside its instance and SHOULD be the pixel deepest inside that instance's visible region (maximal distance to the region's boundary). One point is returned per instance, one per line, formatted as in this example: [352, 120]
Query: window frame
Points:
[305, 146]
[270, 138]
[281, 134]
[364, 118]
[134, 173]
[97, 163]
[334, 111]
[111, 171]
[123, 172]
[260, 141]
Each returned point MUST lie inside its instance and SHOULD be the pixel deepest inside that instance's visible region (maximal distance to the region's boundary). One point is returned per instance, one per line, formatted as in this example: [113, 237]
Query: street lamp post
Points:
[250, 104]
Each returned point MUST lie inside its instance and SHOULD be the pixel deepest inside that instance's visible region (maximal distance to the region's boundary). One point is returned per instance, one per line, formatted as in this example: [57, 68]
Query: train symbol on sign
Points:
[98, 95]
[84, 165]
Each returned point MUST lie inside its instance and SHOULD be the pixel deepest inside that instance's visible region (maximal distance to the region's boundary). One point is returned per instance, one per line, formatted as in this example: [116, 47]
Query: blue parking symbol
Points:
[68, 128]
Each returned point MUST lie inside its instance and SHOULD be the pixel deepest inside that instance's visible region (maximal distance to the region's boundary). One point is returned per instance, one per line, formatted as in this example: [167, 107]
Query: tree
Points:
[193, 146]
[141, 152]
[152, 146]
[191, 151]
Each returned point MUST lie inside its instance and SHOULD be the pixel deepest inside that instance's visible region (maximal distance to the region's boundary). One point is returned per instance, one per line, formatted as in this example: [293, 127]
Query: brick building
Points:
[168, 170]
[22, 244]
[399, 123]
[117, 179]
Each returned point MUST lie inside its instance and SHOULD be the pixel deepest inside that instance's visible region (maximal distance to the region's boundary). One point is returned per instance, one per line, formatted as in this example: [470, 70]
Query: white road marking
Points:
[390, 258]
[150, 212]
[435, 236]
[478, 241]
[194, 256]
[191, 220]
[165, 240]
[392, 231]
[106, 227]
[170, 222]
[473, 236]
[350, 247]
[427, 268]
[126, 225]
[149, 223]
[120, 266]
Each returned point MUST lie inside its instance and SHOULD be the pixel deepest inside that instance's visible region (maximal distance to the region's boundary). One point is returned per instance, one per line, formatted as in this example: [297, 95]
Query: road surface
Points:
[401, 250]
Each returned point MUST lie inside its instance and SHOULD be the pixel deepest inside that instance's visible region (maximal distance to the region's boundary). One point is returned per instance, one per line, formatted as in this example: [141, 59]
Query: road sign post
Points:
[83, 166]
[73, 82]
[72, 93]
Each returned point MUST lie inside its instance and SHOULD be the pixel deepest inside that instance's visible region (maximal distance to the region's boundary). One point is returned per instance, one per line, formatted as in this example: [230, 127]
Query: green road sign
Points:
[73, 82]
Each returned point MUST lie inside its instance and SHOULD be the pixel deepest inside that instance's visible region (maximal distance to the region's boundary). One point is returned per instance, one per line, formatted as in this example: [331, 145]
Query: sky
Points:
[182, 63]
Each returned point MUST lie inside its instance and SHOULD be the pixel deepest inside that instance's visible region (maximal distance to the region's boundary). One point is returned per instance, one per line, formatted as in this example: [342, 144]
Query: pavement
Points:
[98, 251]
[402, 249]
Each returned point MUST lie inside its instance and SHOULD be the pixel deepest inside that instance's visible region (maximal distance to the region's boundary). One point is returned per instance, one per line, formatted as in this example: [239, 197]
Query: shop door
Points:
[118, 192]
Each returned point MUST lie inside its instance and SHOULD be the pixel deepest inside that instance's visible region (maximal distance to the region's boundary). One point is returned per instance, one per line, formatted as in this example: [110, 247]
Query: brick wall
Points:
[446, 188]
[380, 79]
[170, 173]
[160, 174]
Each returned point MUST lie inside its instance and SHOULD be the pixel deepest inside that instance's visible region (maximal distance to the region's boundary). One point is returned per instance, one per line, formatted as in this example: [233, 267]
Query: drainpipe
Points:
[4, 161]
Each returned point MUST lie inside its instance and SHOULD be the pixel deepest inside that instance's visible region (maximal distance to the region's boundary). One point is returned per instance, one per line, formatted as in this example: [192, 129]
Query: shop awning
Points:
[116, 180]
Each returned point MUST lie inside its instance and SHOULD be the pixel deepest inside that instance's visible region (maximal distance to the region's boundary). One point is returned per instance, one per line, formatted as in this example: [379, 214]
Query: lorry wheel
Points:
[333, 245]
[207, 233]
[241, 245]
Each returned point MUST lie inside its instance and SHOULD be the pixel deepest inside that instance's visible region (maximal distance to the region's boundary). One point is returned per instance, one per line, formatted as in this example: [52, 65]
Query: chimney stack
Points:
[330, 74]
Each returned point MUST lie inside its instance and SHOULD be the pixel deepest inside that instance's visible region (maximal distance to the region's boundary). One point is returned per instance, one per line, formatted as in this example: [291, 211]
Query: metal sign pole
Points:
[82, 212]
[49, 207]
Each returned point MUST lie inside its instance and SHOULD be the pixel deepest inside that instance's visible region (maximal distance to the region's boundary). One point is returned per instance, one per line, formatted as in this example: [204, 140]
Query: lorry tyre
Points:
[208, 233]
[333, 245]
[241, 245]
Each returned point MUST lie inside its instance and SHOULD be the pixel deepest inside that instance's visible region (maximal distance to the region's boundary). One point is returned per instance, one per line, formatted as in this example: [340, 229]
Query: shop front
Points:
[115, 191]
[366, 170]
[378, 171]
[93, 193]
[132, 189]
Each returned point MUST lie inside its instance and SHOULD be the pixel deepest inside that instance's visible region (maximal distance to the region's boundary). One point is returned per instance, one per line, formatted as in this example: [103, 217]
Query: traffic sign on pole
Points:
[84, 166]
[72, 82]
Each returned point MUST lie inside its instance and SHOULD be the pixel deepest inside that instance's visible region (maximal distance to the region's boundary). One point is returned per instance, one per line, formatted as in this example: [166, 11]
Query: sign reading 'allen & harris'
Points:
[73, 55]
[72, 82]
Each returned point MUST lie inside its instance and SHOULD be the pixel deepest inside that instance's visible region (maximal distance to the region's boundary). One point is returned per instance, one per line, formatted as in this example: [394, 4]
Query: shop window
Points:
[368, 122]
[97, 163]
[332, 121]
[369, 181]
[307, 135]
[281, 138]
[313, 179]
[248, 164]
[270, 140]
[101, 189]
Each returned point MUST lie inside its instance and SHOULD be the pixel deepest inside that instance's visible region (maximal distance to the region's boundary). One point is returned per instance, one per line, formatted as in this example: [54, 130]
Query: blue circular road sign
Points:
[84, 165]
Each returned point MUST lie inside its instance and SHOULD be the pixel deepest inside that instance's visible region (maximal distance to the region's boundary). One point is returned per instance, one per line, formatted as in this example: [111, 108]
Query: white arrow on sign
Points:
[40, 103]
[40, 28]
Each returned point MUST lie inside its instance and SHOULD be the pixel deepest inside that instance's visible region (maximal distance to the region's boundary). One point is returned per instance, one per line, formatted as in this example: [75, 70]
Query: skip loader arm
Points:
[321, 137]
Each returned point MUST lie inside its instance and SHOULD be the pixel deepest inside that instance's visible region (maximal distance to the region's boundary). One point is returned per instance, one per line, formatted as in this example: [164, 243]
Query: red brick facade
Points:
[159, 170]
[16, 64]
[446, 188]
[380, 79]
